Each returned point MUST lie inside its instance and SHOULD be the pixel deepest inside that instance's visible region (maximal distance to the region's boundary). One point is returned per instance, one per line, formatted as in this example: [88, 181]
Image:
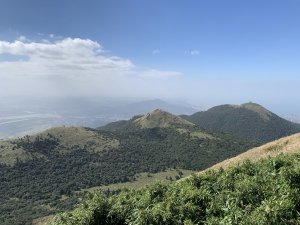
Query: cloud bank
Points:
[74, 66]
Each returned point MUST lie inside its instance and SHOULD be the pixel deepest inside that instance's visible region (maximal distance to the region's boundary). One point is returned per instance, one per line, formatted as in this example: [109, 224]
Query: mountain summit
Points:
[157, 118]
[160, 118]
[260, 110]
[249, 121]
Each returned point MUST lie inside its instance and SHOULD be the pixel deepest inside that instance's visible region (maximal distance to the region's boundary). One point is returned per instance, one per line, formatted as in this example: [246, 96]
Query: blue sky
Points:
[222, 51]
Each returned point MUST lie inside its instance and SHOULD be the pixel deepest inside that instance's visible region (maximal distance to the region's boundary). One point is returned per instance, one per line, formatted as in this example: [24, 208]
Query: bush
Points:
[265, 192]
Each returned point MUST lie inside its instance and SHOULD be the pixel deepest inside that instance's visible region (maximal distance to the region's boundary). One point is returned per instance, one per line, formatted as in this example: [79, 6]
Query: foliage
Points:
[265, 192]
[141, 179]
[48, 182]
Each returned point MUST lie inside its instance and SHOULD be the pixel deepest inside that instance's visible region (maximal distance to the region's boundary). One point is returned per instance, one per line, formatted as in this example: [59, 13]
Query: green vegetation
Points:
[264, 192]
[62, 139]
[10, 153]
[261, 111]
[65, 160]
[44, 174]
[248, 121]
[70, 138]
[141, 179]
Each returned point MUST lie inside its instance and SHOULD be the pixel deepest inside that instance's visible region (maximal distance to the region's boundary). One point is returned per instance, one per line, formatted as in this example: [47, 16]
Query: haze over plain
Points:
[204, 53]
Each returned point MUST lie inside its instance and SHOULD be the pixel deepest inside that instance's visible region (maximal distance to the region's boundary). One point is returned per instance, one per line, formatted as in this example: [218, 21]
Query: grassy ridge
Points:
[286, 145]
[61, 139]
[263, 192]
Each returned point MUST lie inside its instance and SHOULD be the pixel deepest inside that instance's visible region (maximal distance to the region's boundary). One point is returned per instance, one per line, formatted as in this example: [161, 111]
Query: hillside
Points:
[286, 145]
[162, 119]
[248, 121]
[260, 191]
[154, 119]
[44, 174]
[61, 139]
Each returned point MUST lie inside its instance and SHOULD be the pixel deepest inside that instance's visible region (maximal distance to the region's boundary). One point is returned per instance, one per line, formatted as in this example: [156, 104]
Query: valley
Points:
[30, 116]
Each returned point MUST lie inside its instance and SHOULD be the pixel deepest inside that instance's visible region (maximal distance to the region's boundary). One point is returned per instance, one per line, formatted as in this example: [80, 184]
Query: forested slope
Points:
[261, 192]
[58, 163]
[248, 121]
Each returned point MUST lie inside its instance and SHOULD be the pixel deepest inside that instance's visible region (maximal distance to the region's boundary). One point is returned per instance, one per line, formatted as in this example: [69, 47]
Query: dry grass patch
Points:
[195, 134]
[286, 145]
[263, 113]
[160, 118]
[143, 179]
[10, 153]
[79, 138]
[43, 220]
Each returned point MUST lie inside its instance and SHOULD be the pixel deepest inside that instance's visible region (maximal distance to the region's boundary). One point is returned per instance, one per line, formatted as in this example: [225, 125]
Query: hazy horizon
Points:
[203, 53]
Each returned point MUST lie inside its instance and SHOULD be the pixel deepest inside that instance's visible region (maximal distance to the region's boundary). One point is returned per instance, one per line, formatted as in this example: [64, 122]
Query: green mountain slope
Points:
[154, 119]
[266, 191]
[61, 139]
[62, 161]
[247, 121]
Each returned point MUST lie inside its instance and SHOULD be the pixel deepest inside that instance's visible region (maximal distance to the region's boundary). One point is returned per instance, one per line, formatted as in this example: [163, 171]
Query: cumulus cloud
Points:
[70, 66]
[83, 67]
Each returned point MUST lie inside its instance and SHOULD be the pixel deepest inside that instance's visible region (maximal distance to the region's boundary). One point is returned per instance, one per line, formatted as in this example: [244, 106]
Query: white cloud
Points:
[23, 39]
[192, 52]
[67, 57]
[82, 67]
[72, 66]
[158, 74]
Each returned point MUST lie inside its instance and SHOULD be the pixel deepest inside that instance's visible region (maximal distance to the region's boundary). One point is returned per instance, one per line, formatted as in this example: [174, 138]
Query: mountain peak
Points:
[159, 111]
[249, 121]
[254, 107]
[160, 118]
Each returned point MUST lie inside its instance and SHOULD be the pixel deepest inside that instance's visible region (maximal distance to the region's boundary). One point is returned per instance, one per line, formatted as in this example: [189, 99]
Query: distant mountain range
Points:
[154, 119]
[29, 116]
[143, 107]
[45, 173]
[248, 121]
